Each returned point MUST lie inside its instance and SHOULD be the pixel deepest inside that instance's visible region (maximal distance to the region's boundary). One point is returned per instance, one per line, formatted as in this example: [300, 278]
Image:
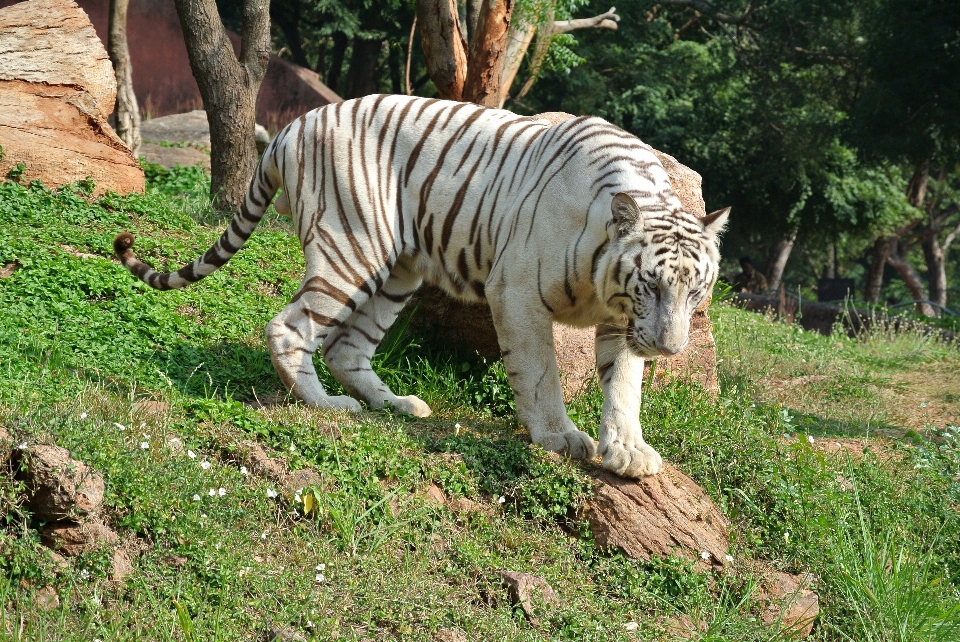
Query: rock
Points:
[665, 514]
[61, 563]
[471, 325]
[59, 486]
[789, 601]
[274, 633]
[170, 157]
[529, 592]
[449, 635]
[260, 463]
[6, 446]
[56, 90]
[177, 561]
[72, 539]
[191, 128]
[120, 566]
[433, 494]
[46, 599]
[300, 479]
[150, 409]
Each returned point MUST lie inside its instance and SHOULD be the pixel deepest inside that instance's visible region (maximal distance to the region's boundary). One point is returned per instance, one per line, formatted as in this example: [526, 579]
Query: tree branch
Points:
[606, 20]
[710, 11]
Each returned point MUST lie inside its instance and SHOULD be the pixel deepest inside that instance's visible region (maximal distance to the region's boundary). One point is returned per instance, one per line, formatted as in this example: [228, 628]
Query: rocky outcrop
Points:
[471, 325]
[531, 593]
[57, 89]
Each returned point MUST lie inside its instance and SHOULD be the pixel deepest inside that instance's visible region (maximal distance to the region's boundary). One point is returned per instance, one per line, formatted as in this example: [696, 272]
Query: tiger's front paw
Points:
[412, 405]
[573, 443]
[634, 461]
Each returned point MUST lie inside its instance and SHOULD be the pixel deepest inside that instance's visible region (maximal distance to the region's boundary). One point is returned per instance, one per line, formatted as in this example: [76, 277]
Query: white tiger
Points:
[575, 223]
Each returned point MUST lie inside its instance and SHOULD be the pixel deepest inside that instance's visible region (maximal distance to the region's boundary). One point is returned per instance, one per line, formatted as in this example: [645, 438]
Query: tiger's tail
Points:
[263, 187]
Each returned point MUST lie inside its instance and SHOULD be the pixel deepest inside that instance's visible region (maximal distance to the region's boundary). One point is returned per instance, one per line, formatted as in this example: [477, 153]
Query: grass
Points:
[83, 345]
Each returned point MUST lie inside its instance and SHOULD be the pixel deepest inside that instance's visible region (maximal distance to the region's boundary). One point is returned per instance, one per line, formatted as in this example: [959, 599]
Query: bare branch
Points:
[606, 20]
[406, 77]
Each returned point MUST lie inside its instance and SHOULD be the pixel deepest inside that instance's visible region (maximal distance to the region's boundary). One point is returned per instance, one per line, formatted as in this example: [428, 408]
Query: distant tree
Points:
[228, 87]
[126, 112]
[478, 61]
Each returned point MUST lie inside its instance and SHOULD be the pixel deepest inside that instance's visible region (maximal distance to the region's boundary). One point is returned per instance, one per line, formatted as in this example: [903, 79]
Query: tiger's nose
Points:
[669, 352]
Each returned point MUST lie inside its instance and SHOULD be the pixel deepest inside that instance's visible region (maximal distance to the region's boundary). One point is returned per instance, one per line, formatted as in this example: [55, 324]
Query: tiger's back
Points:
[575, 222]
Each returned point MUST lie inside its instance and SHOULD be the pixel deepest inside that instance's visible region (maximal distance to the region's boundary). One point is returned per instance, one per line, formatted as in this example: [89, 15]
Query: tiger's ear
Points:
[715, 222]
[626, 213]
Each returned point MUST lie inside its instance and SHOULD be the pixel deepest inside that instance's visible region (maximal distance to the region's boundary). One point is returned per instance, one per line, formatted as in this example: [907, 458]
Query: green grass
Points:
[81, 342]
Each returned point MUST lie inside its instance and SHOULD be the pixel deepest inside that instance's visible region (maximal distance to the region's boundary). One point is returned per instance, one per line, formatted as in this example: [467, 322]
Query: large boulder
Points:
[470, 326]
[190, 133]
[57, 89]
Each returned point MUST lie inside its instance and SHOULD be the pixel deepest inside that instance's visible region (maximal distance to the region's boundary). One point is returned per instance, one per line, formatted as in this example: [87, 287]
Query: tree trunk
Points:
[473, 15]
[830, 271]
[444, 46]
[898, 260]
[126, 111]
[778, 259]
[881, 250]
[936, 268]
[289, 25]
[340, 43]
[229, 89]
[364, 64]
[482, 85]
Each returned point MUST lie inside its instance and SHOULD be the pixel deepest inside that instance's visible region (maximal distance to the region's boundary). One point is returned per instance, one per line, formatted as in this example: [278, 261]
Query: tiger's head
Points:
[661, 268]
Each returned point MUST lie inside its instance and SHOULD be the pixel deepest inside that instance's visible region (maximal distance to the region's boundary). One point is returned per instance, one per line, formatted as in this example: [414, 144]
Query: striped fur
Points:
[575, 223]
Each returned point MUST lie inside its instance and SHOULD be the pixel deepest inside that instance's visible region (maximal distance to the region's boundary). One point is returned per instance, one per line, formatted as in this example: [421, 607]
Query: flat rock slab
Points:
[191, 128]
[170, 157]
[72, 539]
[56, 90]
[665, 514]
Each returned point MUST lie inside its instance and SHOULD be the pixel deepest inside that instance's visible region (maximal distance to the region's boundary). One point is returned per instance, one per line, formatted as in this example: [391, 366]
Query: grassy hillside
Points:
[830, 455]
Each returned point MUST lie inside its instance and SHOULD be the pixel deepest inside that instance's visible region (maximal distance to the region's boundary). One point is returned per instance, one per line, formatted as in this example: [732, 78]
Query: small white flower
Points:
[297, 498]
[120, 426]
[203, 516]
[212, 492]
[191, 454]
[271, 494]
[457, 426]
[196, 498]
[244, 471]
[84, 574]
[221, 491]
[310, 624]
[83, 415]
[704, 555]
[205, 464]
[631, 626]
[502, 500]
[786, 536]
[292, 447]
[263, 535]
[320, 577]
[321, 567]
[810, 438]
[728, 557]
[144, 445]
[22, 445]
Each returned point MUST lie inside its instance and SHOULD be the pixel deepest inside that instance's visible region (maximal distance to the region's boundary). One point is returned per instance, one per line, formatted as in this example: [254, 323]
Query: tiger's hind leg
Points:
[350, 346]
[296, 333]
